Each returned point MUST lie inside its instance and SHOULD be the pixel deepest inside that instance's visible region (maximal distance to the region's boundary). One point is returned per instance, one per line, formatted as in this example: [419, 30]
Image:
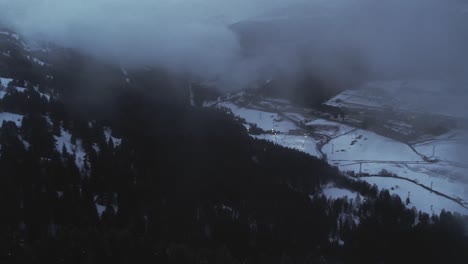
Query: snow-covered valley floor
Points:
[364, 152]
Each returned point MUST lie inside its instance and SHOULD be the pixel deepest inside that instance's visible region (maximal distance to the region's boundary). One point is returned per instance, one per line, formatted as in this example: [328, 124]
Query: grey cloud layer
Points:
[391, 37]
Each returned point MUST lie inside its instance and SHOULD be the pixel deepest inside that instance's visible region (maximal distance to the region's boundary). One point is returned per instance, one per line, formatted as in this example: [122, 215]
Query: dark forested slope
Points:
[137, 175]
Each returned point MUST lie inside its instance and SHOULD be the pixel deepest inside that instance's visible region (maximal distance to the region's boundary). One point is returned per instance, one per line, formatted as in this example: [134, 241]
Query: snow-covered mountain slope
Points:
[23, 75]
[406, 169]
[12, 46]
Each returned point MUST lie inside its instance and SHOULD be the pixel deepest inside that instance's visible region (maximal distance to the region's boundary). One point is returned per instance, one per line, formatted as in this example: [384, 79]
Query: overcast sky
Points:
[387, 36]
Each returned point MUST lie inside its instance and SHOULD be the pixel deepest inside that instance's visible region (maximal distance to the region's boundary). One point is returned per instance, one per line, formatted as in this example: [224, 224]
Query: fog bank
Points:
[334, 39]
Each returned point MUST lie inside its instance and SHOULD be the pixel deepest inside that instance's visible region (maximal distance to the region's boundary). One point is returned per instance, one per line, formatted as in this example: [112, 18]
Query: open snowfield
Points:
[359, 150]
[424, 200]
[366, 145]
[378, 153]
[452, 147]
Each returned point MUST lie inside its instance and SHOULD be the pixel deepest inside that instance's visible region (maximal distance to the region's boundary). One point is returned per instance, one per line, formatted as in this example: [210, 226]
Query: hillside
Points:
[102, 164]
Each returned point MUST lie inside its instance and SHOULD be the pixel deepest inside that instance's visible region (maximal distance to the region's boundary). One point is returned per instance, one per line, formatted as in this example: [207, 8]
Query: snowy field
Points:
[452, 147]
[363, 151]
[367, 152]
[368, 146]
[422, 199]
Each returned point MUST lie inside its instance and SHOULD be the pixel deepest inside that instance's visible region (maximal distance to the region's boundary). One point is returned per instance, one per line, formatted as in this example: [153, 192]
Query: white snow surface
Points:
[5, 81]
[451, 147]
[100, 209]
[65, 140]
[359, 150]
[20, 89]
[422, 199]
[264, 120]
[295, 116]
[378, 153]
[302, 143]
[332, 192]
[18, 119]
[368, 146]
[108, 133]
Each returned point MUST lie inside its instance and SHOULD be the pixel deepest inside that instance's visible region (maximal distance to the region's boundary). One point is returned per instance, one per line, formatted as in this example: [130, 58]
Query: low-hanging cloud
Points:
[382, 39]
